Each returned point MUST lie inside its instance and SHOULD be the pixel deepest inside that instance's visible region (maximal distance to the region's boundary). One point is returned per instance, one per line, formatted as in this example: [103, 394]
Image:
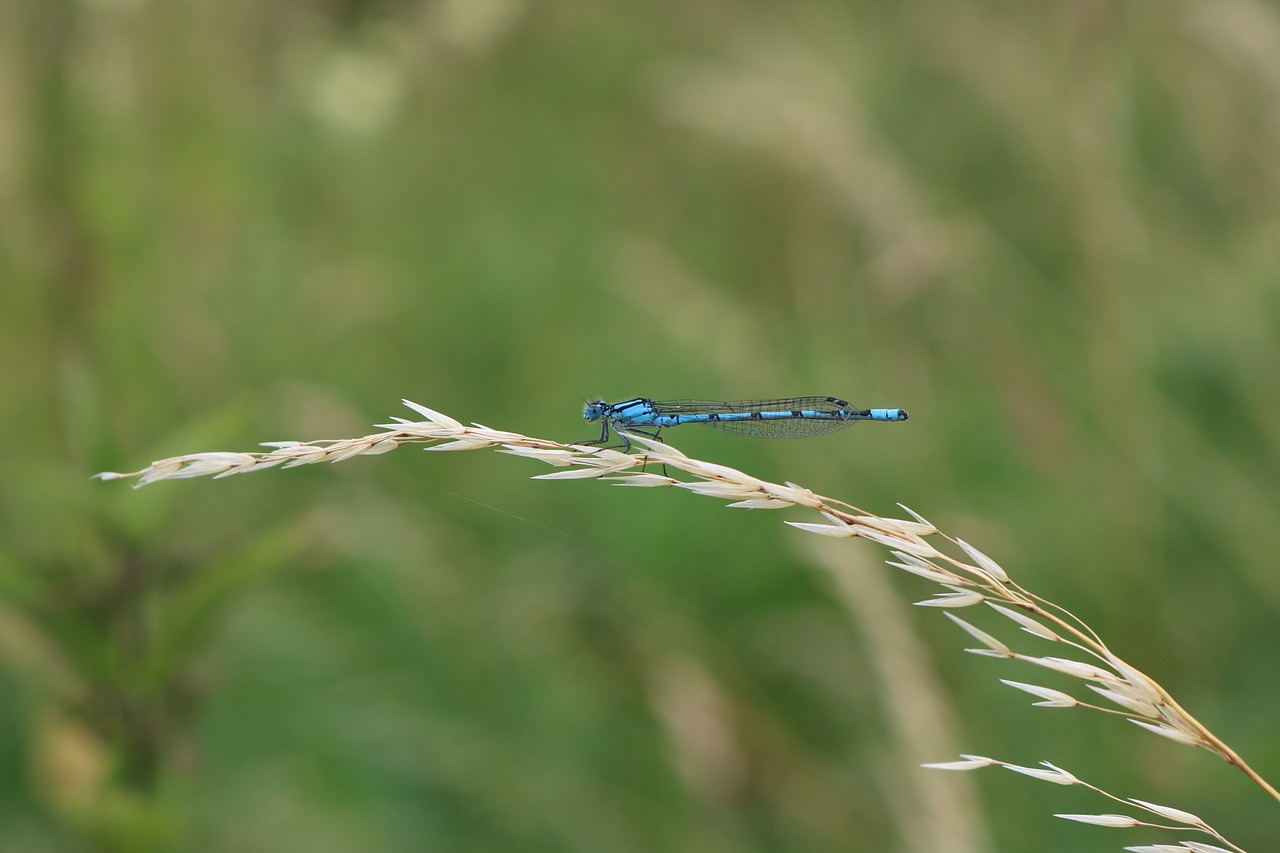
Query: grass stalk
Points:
[967, 576]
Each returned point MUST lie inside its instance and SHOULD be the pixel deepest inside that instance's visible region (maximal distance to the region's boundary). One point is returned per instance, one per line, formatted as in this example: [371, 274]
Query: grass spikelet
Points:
[967, 575]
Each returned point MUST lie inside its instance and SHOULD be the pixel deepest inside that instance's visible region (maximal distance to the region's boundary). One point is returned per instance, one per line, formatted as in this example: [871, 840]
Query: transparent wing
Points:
[825, 415]
[782, 404]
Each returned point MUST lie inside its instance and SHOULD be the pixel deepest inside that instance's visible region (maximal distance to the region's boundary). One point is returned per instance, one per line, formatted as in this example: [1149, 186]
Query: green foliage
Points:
[1046, 230]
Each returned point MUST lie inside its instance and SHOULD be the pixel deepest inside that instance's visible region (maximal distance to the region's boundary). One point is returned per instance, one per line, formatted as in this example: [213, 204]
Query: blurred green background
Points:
[1049, 231]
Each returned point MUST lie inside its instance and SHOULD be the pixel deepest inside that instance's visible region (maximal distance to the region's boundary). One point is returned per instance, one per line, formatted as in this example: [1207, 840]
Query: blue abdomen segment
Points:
[887, 414]
[791, 417]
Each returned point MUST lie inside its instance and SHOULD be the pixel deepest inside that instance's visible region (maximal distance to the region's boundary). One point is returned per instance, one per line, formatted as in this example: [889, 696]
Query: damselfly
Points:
[791, 417]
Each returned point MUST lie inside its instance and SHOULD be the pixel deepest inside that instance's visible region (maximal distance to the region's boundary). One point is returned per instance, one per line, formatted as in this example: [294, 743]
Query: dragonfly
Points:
[788, 417]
